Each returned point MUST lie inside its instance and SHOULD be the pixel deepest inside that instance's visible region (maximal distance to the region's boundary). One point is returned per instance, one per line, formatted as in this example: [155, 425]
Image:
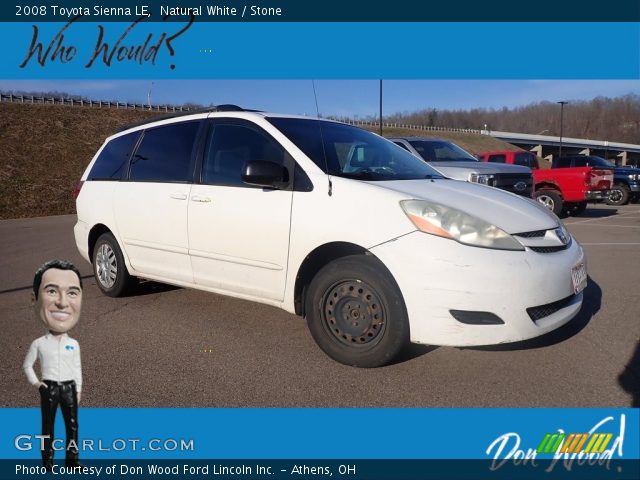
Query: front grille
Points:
[542, 311]
[549, 249]
[508, 182]
[533, 234]
[514, 177]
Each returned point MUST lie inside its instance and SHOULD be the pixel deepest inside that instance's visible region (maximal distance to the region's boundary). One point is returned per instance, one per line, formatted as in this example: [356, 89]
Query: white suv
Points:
[336, 224]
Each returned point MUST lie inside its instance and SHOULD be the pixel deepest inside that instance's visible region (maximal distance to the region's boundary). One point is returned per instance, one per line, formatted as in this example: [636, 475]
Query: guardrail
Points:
[34, 99]
[368, 123]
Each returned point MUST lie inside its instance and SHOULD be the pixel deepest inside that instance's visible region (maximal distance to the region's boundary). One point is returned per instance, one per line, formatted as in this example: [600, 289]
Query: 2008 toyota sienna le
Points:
[336, 224]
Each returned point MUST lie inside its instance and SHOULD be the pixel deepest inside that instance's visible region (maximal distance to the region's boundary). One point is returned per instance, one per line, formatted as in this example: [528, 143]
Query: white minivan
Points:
[336, 224]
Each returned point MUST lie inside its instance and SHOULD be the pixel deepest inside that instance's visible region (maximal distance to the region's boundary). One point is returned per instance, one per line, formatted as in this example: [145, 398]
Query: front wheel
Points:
[355, 312]
[109, 269]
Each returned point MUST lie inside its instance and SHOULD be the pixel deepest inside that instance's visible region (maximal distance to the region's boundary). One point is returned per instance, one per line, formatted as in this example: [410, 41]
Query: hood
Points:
[460, 170]
[626, 171]
[512, 213]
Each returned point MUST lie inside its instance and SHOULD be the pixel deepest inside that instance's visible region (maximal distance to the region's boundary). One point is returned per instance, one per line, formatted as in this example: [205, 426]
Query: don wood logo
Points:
[594, 447]
[573, 443]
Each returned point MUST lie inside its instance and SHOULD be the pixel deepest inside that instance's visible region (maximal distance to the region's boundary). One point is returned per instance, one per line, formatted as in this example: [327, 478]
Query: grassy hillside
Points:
[43, 151]
[45, 148]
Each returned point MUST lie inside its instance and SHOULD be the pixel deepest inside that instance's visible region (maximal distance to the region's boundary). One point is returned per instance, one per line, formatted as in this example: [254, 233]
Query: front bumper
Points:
[437, 275]
[597, 195]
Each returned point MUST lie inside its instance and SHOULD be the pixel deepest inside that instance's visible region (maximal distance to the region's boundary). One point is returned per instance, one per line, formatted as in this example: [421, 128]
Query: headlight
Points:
[563, 234]
[481, 178]
[450, 223]
[634, 177]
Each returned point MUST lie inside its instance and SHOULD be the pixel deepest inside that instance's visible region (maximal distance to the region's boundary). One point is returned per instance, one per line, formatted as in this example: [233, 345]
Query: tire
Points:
[356, 313]
[575, 209]
[550, 199]
[109, 268]
[619, 195]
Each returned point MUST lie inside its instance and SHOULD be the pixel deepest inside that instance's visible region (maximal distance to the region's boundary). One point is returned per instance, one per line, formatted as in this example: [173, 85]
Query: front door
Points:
[239, 234]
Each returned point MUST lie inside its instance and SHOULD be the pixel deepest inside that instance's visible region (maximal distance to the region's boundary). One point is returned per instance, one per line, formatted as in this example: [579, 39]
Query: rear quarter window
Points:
[112, 161]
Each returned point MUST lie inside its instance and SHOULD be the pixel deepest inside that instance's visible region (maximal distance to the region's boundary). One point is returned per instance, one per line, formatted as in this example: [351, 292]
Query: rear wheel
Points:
[355, 312]
[619, 195]
[109, 269]
[550, 199]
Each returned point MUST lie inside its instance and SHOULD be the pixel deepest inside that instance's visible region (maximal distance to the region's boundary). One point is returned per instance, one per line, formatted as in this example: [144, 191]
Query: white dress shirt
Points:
[59, 357]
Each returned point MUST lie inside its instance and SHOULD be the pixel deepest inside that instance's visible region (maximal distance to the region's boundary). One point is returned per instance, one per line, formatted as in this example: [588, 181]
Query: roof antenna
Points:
[324, 153]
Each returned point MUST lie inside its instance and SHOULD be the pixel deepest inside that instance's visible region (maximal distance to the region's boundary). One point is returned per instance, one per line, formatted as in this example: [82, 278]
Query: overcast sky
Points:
[338, 97]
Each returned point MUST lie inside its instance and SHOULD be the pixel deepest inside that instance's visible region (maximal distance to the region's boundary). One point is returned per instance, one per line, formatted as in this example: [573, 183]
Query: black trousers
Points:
[65, 395]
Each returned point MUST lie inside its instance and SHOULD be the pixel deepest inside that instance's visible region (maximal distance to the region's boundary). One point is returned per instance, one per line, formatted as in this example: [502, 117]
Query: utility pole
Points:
[562, 104]
[380, 107]
[149, 96]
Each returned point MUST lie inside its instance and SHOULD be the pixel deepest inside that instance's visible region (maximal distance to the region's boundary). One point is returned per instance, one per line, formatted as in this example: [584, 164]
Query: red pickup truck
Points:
[565, 191]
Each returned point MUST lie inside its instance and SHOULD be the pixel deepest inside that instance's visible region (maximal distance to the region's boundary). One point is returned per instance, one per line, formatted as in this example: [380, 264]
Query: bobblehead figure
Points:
[57, 297]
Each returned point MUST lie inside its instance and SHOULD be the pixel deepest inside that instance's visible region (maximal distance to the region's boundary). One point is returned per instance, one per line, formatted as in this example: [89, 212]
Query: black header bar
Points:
[314, 469]
[324, 11]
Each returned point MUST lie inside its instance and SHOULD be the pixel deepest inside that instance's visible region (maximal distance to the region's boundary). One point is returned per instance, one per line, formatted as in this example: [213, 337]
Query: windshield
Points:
[346, 151]
[441, 151]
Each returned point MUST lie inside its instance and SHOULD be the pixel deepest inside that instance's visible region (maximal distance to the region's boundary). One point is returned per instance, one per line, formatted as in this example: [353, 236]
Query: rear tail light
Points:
[600, 178]
[76, 190]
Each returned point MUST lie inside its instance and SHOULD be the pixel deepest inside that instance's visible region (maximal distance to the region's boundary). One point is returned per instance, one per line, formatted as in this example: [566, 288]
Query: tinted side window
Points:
[498, 158]
[165, 154]
[230, 147]
[580, 162]
[113, 159]
[562, 163]
[526, 159]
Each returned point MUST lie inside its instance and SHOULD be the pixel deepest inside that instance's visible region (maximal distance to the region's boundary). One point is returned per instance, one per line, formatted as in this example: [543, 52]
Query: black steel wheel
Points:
[109, 268]
[355, 312]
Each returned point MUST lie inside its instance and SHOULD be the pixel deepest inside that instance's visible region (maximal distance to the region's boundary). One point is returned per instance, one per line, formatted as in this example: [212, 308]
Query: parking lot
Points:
[176, 347]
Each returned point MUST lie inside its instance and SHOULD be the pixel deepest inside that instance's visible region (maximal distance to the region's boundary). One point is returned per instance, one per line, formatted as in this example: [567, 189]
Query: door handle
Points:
[201, 199]
[178, 196]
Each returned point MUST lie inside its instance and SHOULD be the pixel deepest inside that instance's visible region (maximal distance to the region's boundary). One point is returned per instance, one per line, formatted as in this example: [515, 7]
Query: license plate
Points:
[579, 277]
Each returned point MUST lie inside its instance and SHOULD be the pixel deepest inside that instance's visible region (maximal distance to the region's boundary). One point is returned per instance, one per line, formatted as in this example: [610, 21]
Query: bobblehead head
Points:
[58, 299]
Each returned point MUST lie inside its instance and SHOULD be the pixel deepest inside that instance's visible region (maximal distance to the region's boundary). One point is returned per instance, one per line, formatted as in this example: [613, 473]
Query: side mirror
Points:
[264, 174]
